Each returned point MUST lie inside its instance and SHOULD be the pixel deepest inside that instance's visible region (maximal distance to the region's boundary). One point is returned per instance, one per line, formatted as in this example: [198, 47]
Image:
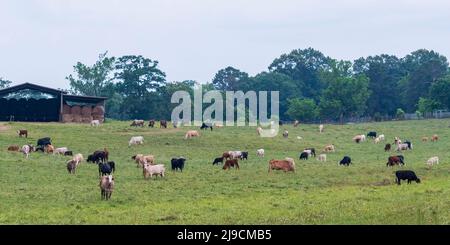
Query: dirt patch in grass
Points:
[3, 128]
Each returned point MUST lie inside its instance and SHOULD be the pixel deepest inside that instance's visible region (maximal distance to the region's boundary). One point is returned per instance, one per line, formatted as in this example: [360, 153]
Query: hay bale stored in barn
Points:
[86, 110]
[98, 110]
[86, 119]
[75, 110]
[66, 109]
[77, 118]
[67, 118]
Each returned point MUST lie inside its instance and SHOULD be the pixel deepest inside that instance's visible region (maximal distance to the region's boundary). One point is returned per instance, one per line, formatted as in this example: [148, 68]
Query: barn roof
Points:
[58, 92]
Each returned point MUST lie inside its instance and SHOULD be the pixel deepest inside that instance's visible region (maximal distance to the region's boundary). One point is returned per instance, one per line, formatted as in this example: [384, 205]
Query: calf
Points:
[304, 156]
[22, 132]
[260, 152]
[244, 155]
[285, 165]
[205, 126]
[322, 157]
[296, 123]
[78, 158]
[13, 148]
[71, 166]
[321, 128]
[329, 148]
[372, 134]
[163, 124]
[395, 160]
[49, 149]
[106, 186]
[136, 140]
[285, 134]
[178, 163]
[231, 163]
[151, 123]
[432, 161]
[387, 147]
[137, 123]
[150, 170]
[27, 149]
[218, 160]
[95, 123]
[346, 161]
[424, 139]
[434, 138]
[406, 175]
[191, 134]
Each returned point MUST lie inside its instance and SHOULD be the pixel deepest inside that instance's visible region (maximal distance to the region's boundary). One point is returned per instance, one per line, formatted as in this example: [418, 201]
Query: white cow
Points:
[136, 140]
[60, 150]
[320, 128]
[260, 152]
[322, 157]
[26, 149]
[95, 123]
[432, 161]
[150, 170]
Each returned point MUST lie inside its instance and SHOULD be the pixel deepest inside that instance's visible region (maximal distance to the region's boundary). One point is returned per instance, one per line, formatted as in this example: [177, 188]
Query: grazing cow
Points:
[387, 147]
[68, 153]
[151, 123]
[205, 126]
[97, 156]
[106, 186]
[78, 158]
[321, 128]
[329, 148]
[137, 123]
[310, 151]
[372, 134]
[136, 140]
[95, 123]
[150, 170]
[49, 149]
[394, 160]
[191, 134]
[218, 160]
[140, 159]
[259, 131]
[410, 145]
[244, 155]
[346, 161]
[231, 163]
[357, 138]
[44, 142]
[406, 175]
[106, 168]
[381, 137]
[322, 157]
[377, 140]
[304, 156]
[163, 124]
[235, 154]
[432, 161]
[60, 150]
[26, 150]
[178, 163]
[424, 139]
[434, 138]
[260, 152]
[285, 134]
[286, 165]
[296, 123]
[13, 148]
[22, 132]
[71, 166]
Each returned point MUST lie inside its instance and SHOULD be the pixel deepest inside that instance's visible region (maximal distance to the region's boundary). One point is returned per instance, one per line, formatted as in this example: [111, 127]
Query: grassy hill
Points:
[39, 190]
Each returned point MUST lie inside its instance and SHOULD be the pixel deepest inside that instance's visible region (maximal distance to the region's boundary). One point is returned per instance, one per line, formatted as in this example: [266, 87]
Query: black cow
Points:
[372, 134]
[244, 155]
[303, 156]
[98, 156]
[68, 153]
[402, 159]
[409, 144]
[178, 163]
[205, 126]
[44, 141]
[313, 151]
[218, 160]
[406, 175]
[40, 148]
[106, 168]
[346, 161]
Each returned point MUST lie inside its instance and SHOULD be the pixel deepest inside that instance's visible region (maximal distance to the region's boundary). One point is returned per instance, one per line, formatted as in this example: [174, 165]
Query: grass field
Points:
[39, 190]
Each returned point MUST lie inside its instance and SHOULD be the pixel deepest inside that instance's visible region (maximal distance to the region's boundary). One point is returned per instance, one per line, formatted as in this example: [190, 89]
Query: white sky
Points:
[41, 40]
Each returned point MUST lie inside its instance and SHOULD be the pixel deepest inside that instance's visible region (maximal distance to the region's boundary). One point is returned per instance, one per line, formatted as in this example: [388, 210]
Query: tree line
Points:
[312, 85]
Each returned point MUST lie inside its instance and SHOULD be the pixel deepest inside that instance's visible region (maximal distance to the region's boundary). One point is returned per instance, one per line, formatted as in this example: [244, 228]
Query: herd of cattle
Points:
[229, 159]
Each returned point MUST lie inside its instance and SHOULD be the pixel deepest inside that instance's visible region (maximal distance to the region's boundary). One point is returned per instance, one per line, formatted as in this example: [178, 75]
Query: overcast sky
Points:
[41, 40]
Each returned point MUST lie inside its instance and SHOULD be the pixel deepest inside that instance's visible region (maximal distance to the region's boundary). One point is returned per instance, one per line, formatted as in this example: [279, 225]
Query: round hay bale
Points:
[66, 109]
[75, 110]
[77, 118]
[86, 110]
[98, 110]
[86, 119]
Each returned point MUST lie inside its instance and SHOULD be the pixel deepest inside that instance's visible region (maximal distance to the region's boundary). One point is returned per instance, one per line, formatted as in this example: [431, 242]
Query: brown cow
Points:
[137, 123]
[394, 160]
[163, 124]
[151, 123]
[387, 147]
[285, 165]
[22, 132]
[434, 138]
[424, 139]
[226, 155]
[13, 148]
[49, 149]
[231, 163]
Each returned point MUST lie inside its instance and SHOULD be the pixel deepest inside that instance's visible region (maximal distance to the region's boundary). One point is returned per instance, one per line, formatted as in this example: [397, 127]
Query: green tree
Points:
[303, 66]
[384, 72]
[93, 80]
[440, 92]
[423, 69]
[4, 83]
[229, 79]
[302, 109]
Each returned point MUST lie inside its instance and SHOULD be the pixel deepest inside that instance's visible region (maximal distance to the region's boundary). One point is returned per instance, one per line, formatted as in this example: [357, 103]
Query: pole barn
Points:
[33, 103]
